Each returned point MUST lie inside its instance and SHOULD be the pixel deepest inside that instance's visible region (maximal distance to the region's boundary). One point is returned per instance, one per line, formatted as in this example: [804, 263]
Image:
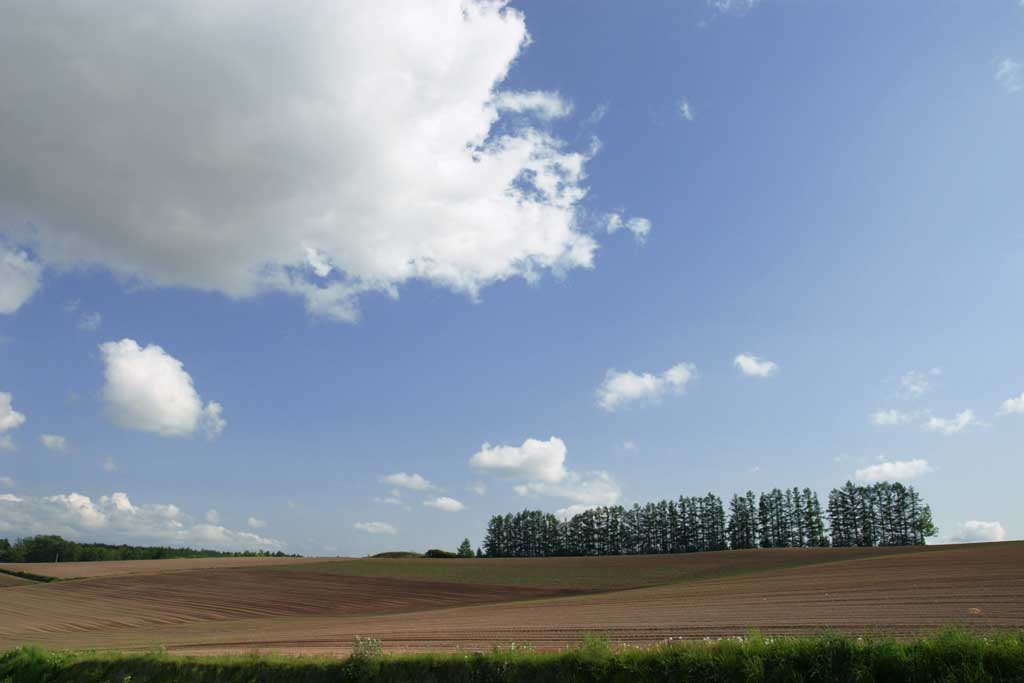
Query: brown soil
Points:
[979, 587]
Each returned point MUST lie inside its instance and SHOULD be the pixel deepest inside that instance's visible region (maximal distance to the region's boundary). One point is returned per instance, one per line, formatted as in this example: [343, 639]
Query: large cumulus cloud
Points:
[320, 148]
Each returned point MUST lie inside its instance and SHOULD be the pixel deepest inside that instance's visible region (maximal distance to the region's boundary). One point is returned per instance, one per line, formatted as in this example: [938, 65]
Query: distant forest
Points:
[882, 514]
[57, 549]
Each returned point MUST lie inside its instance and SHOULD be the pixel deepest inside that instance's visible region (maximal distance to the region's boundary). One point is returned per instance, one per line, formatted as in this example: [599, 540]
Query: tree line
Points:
[879, 514]
[57, 549]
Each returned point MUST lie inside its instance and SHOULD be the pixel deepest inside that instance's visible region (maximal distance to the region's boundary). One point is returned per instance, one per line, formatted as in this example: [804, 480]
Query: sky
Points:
[339, 278]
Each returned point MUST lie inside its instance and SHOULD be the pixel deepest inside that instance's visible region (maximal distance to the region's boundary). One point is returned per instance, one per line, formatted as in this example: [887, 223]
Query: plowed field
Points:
[306, 609]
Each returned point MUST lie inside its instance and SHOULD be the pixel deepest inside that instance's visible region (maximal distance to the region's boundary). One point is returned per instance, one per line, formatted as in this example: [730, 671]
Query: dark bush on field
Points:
[395, 554]
[57, 549]
[441, 554]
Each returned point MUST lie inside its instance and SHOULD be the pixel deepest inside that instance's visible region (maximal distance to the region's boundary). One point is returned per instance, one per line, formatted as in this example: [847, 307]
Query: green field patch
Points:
[593, 573]
[948, 656]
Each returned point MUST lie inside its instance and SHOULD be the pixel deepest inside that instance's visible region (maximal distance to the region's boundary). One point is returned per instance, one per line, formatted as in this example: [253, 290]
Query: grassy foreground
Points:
[947, 656]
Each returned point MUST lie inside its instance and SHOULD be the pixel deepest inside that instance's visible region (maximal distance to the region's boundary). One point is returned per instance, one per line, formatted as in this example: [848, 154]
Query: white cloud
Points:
[148, 389]
[90, 322]
[9, 419]
[628, 446]
[976, 531]
[1012, 406]
[953, 425]
[684, 110]
[54, 442]
[7, 481]
[115, 518]
[547, 105]
[407, 481]
[478, 487]
[733, 6]
[256, 523]
[896, 470]
[212, 516]
[752, 366]
[389, 500]
[890, 417]
[109, 465]
[444, 503]
[535, 459]
[19, 276]
[589, 489]
[367, 132]
[1010, 75]
[640, 227]
[376, 527]
[621, 388]
[914, 383]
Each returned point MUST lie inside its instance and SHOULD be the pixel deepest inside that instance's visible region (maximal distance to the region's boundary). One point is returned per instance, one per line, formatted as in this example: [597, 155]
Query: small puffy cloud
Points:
[640, 227]
[534, 459]
[976, 531]
[628, 446]
[1010, 75]
[1012, 406]
[90, 322]
[685, 111]
[622, 388]
[590, 489]
[9, 419]
[444, 503]
[149, 390]
[407, 481]
[256, 523]
[389, 500]
[479, 488]
[890, 417]
[375, 527]
[914, 383]
[953, 425]
[115, 518]
[54, 442]
[752, 366]
[6, 481]
[895, 470]
[109, 465]
[19, 278]
[546, 105]
[212, 516]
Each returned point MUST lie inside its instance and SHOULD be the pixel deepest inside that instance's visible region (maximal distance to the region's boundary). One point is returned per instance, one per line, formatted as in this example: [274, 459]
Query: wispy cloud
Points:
[1010, 75]
[952, 425]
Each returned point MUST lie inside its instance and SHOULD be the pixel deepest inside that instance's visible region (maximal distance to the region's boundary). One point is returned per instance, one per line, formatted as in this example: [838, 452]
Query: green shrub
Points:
[948, 656]
[443, 554]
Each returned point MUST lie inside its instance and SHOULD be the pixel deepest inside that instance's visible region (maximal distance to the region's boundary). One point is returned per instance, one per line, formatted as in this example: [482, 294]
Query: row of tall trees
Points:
[47, 548]
[883, 514]
[880, 514]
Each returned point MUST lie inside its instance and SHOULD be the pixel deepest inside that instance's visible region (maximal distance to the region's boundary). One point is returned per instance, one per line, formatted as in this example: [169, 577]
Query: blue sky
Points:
[340, 294]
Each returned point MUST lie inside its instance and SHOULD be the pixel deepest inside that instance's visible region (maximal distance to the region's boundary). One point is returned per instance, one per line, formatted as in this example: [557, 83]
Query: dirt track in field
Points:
[78, 570]
[280, 610]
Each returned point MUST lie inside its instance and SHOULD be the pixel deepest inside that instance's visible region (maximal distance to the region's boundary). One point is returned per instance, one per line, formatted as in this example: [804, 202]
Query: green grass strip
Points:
[949, 655]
